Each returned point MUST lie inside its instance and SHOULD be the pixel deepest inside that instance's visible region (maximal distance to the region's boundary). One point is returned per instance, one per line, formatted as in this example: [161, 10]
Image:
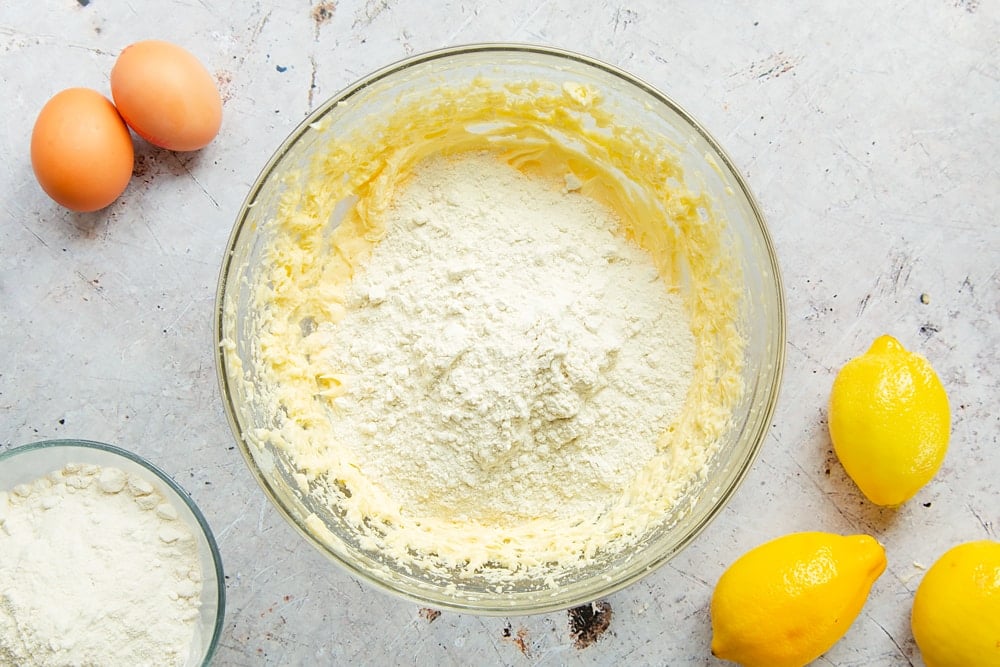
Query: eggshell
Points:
[166, 95]
[81, 150]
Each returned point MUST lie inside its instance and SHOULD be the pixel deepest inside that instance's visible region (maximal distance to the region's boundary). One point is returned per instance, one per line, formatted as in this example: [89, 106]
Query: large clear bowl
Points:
[706, 168]
[24, 464]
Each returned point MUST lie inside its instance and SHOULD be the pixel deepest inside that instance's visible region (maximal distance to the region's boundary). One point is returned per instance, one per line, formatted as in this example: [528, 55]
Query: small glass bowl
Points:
[26, 463]
[706, 167]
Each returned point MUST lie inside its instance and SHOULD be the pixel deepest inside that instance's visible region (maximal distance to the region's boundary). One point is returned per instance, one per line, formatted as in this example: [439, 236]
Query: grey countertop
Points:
[867, 130]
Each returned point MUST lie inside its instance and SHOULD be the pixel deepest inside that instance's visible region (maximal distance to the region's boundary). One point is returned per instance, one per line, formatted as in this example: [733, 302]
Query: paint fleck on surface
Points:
[142, 166]
[519, 638]
[323, 12]
[928, 330]
[771, 67]
[83, 3]
[588, 622]
[623, 18]
[968, 5]
[371, 11]
[224, 81]
[430, 614]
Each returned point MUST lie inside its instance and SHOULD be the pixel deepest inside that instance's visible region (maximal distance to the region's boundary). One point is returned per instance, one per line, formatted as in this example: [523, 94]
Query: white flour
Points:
[95, 569]
[506, 354]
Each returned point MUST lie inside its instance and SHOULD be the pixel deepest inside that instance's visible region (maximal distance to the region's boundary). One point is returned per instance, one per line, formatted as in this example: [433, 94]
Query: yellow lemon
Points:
[889, 421]
[785, 602]
[956, 610]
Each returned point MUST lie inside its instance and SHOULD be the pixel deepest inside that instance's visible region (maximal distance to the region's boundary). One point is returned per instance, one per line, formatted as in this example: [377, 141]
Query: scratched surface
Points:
[868, 131]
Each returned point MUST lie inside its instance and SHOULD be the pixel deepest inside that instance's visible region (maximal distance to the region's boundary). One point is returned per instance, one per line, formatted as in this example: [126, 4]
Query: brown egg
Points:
[166, 95]
[81, 150]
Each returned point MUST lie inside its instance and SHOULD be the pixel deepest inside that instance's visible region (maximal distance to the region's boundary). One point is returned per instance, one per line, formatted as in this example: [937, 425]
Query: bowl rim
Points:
[178, 491]
[773, 378]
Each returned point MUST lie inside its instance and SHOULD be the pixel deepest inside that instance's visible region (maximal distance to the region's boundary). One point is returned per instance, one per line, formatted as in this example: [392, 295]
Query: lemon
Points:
[956, 610]
[889, 421]
[785, 602]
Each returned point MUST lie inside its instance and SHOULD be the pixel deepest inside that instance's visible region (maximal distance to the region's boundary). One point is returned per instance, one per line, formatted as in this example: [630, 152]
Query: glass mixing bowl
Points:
[24, 464]
[706, 168]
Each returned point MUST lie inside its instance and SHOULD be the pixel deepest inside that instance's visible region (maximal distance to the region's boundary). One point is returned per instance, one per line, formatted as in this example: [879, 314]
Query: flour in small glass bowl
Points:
[95, 569]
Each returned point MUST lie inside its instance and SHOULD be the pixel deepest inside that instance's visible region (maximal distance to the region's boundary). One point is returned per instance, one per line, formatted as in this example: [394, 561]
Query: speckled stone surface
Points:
[867, 130]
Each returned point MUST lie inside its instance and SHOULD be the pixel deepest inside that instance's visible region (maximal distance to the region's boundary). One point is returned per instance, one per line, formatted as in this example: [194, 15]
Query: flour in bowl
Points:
[492, 343]
[95, 569]
[506, 353]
